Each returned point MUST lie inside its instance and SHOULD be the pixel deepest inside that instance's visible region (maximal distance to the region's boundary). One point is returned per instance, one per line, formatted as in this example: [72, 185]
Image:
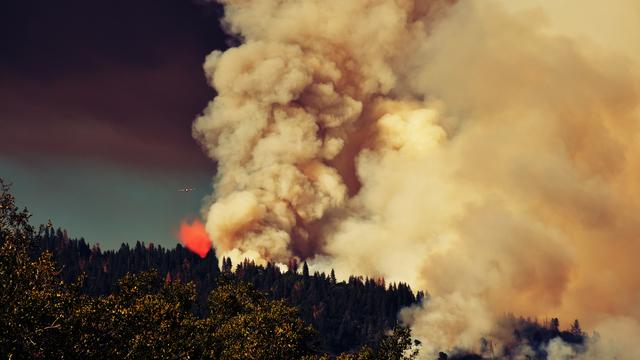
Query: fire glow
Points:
[194, 237]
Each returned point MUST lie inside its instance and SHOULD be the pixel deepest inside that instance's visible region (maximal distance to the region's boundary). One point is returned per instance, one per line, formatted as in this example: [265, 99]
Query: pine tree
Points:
[555, 325]
[575, 328]
[305, 270]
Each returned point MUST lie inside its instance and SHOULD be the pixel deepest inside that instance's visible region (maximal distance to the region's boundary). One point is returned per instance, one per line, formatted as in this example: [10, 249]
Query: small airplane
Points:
[186, 189]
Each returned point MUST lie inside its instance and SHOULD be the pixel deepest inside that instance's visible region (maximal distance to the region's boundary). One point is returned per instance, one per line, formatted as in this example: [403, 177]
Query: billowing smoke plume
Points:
[290, 100]
[485, 151]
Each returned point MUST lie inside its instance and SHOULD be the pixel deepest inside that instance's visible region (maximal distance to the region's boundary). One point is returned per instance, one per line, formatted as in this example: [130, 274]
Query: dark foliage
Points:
[150, 302]
[537, 336]
[144, 317]
[529, 340]
[346, 315]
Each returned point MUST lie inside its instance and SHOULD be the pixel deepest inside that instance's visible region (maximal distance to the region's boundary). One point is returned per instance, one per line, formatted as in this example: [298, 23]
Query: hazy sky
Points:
[96, 104]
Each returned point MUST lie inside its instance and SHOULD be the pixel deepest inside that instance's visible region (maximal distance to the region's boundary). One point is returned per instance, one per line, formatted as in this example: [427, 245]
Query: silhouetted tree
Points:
[575, 328]
[554, 325]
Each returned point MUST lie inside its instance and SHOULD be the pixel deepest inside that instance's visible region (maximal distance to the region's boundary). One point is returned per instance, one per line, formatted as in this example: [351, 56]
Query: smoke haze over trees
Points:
[486, 150]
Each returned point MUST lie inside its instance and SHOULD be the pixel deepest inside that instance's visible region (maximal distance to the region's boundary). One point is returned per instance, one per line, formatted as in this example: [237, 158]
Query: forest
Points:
[346, 314]
[64, 298]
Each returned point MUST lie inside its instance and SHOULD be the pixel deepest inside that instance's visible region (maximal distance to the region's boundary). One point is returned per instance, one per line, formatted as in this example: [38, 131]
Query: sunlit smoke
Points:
[485, 151]
[194, 237]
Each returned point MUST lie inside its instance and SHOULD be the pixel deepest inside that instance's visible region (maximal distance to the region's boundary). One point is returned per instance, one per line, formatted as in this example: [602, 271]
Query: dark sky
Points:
[96, 104]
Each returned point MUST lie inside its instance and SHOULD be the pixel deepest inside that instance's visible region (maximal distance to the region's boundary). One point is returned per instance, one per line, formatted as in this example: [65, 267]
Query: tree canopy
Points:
[41, 316]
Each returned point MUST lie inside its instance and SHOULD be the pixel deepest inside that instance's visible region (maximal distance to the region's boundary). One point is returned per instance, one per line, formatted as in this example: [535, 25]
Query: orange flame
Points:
[194, 237]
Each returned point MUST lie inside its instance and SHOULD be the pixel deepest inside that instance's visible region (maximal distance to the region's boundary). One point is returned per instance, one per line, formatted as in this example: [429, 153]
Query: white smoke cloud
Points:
[485, 151]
